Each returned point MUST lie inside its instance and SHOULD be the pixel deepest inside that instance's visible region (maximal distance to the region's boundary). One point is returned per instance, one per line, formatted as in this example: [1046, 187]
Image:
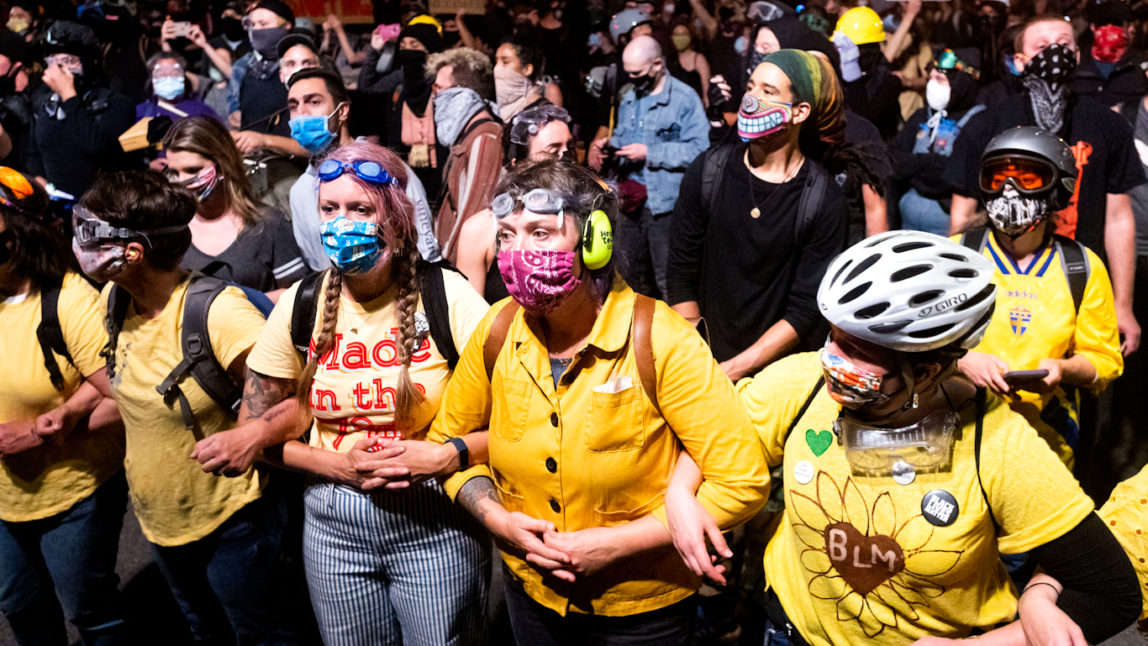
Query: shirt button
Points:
[554, 420]
[551, 465]
[555, 506]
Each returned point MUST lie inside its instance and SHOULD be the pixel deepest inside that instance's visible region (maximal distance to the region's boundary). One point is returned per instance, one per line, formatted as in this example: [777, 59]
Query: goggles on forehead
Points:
[90, 230]
[851, 382]
[1026, 174]
[368, 171]
[542, 201]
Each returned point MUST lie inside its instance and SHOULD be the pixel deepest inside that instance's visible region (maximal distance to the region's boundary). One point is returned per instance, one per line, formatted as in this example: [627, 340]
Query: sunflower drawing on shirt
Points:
[875, 564]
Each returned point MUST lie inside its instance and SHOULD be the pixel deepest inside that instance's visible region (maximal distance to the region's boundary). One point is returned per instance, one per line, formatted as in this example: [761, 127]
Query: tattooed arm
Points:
[268, 414]
[515, 532]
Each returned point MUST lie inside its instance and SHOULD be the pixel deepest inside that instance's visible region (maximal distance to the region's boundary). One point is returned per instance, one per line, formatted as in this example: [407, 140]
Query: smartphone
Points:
[182, 29]
[595, 40]
[1021, 376]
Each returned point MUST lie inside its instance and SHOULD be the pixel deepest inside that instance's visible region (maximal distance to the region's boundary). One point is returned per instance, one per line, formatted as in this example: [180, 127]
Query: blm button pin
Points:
[939, 507]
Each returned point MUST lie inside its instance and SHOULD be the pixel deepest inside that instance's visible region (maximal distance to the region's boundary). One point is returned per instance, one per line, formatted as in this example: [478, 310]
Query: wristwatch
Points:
[463, 452]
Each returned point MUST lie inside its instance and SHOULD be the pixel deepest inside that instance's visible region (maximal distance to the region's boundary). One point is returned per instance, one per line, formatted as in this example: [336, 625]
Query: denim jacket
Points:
[673, 125]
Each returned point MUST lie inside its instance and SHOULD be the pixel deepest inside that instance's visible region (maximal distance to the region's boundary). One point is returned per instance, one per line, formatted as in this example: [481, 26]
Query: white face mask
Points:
[937, 95]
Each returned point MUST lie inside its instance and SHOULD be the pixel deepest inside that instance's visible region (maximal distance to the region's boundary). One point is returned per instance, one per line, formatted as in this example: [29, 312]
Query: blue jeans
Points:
[395, 567]
[70, 556]
[222, 582]
[919, 213]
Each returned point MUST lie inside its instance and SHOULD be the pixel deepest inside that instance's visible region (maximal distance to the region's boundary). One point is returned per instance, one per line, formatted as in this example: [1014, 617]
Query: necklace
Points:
[755, 212]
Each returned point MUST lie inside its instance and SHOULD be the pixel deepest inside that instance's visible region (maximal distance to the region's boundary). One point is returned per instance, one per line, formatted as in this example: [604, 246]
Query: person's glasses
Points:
[542, 201]
[1025, 174]
[367, 171]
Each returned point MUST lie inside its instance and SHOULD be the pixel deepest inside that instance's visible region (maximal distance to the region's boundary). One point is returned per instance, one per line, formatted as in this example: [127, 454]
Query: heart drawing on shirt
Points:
[865, 562]
[818, 441]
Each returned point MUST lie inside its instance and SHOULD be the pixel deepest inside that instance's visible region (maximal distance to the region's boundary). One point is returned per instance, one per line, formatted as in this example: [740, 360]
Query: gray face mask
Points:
[453, 109]
[1013, 214]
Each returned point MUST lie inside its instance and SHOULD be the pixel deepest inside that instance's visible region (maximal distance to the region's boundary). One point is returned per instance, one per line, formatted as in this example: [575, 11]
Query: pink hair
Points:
[396, 211]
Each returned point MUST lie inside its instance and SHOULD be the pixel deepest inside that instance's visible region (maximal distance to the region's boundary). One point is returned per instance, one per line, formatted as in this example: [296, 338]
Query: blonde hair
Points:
[471, 69]
[398, 231]
[208, 138]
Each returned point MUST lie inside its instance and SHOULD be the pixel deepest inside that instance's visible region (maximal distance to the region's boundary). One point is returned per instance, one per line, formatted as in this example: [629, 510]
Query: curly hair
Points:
[470, 68]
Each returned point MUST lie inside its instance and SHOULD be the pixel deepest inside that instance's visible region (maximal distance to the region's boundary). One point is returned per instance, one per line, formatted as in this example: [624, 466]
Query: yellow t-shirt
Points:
[353, 394]
[47, 480]
[1035, 319]
[856, 558]
[1126, 514]
[175, 501]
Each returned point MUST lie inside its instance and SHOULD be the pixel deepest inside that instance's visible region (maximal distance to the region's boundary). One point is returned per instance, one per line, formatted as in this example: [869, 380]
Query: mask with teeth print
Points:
[759, 118]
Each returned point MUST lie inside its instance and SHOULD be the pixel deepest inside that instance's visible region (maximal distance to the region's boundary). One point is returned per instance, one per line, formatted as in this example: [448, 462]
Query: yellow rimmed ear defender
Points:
[597, 240]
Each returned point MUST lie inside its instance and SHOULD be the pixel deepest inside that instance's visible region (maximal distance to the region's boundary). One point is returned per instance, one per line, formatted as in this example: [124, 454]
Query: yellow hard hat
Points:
[862, 25]
[424, 19]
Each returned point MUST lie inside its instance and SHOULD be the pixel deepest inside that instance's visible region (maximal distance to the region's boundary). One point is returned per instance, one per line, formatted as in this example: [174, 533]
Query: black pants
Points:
[536, 625]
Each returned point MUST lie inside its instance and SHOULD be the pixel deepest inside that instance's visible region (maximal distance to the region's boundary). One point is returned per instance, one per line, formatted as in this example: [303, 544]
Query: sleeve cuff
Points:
[454, 483]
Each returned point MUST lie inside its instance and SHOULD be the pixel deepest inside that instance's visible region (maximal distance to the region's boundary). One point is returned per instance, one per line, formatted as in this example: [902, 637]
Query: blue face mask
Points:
[312, 132]
[740, 45]
[1010, 65]
[353, 247]
[168, 87]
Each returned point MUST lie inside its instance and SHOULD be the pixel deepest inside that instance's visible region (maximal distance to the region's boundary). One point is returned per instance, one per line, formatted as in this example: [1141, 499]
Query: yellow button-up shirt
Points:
[596, 452]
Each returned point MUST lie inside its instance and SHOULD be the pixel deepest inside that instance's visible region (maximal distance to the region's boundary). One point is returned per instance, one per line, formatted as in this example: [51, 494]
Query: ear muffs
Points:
[597, 240]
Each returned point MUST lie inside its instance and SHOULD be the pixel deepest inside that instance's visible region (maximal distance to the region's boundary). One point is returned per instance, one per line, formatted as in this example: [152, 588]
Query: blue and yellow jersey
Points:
[1035, 319]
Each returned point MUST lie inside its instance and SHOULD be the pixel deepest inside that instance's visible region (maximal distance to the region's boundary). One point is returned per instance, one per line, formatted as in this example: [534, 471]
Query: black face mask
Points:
[643, 84]
[266, 41]
[233, 29]
[410, 58]
[450, 38]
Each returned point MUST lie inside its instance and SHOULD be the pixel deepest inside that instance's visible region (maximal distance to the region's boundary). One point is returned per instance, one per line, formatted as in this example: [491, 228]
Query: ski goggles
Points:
[542, 201]
[14, 186]
[1025, 174]
[368, 171]
[90, 230]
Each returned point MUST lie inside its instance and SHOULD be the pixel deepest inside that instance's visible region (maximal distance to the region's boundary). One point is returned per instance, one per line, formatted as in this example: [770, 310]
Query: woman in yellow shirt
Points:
[590, 393]
[1026, 176]
[903, 482]
[383, 567]
[216, 540]
[62, 491]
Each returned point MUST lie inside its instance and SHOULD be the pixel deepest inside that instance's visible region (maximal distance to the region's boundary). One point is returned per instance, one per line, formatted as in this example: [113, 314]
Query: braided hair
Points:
[396, 226]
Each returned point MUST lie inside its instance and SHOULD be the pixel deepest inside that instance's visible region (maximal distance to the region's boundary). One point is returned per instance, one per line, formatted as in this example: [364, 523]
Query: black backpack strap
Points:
[50, 333]
[199, 358]
[1074, 260]
[118, 302]
[980, 427]
[975, 239]
[304, 311]
[432, 289]
[713, 170]
[810, 204]
[804, 407]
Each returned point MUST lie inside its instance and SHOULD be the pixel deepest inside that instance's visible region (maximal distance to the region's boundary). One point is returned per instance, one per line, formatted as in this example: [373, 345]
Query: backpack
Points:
[1072, 257]
[432, 290]
[199, 358]
[50, 333]
[714, 162]
[640, 328]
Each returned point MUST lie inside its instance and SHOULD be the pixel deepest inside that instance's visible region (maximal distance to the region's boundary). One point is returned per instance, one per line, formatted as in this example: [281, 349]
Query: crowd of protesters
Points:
[641, 322]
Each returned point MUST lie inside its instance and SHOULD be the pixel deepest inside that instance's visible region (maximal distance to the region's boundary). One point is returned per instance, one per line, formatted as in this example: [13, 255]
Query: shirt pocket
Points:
[614, 423]
[668, 132]
[510, 410]
[511, 500]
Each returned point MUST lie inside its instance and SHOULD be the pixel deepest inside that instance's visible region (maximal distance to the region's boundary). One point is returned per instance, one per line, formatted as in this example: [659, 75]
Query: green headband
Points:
[804, 72]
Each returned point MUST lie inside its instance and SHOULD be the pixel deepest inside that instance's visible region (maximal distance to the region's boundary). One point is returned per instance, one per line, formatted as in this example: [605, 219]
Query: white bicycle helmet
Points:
[909, 291]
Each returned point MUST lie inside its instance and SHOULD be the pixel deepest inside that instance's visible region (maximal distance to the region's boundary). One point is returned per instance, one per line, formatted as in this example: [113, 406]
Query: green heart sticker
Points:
[818, 441]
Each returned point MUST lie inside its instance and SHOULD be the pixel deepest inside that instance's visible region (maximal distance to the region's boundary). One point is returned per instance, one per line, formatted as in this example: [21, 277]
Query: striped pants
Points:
[404, 567]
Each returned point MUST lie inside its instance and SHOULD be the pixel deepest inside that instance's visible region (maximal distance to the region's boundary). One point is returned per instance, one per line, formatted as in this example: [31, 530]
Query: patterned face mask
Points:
[757, 118]
[539, 280]
[850, 384]
[1055, 65]
[352, 247]
[1014, 214]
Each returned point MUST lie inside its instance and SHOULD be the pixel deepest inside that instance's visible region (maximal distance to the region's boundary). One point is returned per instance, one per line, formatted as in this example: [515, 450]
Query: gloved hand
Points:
[850, 57]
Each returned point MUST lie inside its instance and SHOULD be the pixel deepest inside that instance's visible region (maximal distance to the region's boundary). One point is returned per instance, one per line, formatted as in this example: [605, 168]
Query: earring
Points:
[915, 400]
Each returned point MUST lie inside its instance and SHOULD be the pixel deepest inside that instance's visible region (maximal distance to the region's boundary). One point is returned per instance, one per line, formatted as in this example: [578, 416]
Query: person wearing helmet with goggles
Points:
[585, 425]
[903, 482]
[1026, 176]
[62, 489]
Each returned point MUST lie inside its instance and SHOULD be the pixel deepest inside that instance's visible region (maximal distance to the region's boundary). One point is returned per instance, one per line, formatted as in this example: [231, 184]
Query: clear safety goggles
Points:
[541, 201]
[926, 446]
[91, 231]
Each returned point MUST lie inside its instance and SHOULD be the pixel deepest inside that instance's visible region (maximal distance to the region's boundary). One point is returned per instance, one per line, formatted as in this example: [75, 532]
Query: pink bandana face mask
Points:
[538, 280]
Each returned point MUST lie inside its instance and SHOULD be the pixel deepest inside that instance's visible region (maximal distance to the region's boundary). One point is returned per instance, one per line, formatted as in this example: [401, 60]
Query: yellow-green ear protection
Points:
[597, 240]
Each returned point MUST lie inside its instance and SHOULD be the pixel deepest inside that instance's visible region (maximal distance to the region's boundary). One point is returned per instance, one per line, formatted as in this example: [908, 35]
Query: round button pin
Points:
[904, 473]
[803, 472]
[940, 508]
